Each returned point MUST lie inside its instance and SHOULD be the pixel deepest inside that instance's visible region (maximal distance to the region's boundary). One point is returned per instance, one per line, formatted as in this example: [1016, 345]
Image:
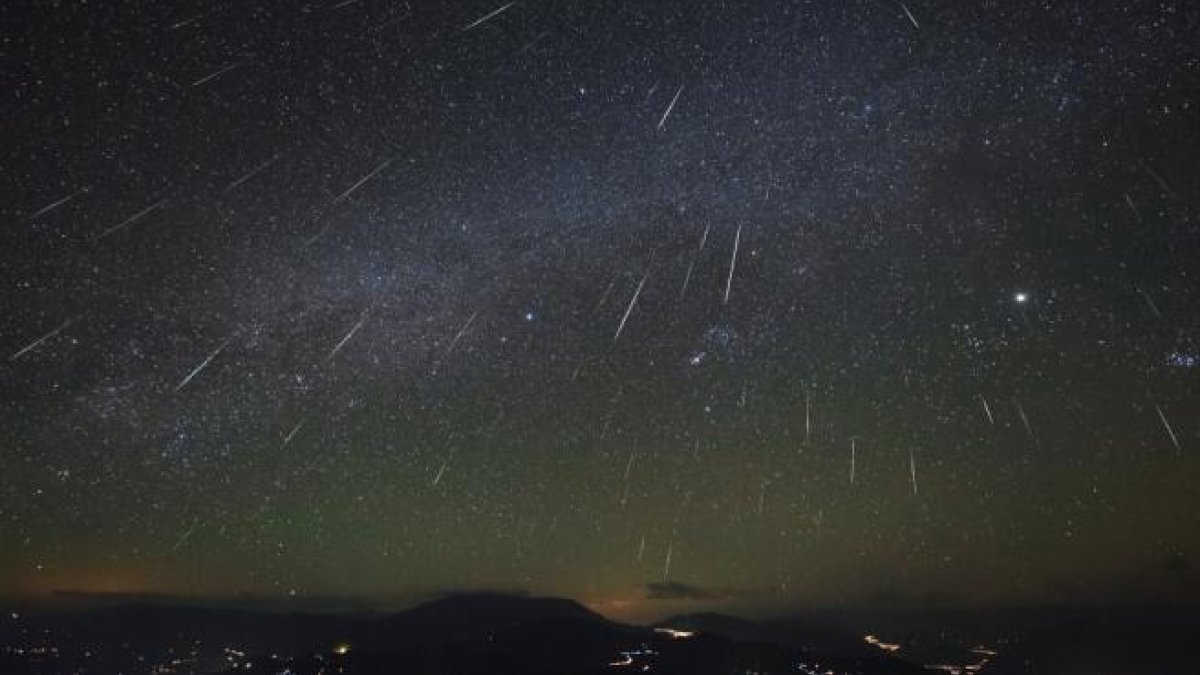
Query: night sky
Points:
[770, 304]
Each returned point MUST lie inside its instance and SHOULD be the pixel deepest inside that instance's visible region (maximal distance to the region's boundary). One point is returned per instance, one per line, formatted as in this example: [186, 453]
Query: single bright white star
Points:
[1021, 297]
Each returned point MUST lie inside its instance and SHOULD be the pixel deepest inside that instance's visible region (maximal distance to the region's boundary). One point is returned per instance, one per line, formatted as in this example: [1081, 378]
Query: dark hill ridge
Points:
[495, 609]
[1131, 640]
[507, 634]
[155, 626]
[450, 618]
[465, 634]
[795, 632]
[460, 619]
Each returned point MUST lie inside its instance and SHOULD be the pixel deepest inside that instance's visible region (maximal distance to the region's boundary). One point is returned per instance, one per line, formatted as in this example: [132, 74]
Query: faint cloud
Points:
[674, 590]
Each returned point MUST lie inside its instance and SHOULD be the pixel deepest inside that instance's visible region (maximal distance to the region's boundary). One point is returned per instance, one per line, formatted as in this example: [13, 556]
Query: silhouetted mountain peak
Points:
[488, 617]
[795, 631]
[505, 607]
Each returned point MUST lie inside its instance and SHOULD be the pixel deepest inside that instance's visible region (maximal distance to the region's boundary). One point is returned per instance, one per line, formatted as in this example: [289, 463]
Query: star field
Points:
[639, 303]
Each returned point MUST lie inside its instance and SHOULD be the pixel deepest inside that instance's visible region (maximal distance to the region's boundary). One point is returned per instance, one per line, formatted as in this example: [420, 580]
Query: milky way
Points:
[639, 303]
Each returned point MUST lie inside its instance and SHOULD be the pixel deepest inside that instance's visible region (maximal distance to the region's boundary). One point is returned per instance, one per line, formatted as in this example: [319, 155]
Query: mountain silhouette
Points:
[463, 634]
[795, 632]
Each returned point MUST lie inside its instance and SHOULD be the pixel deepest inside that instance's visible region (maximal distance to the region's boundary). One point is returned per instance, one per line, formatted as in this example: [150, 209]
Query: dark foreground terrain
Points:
[506, 634]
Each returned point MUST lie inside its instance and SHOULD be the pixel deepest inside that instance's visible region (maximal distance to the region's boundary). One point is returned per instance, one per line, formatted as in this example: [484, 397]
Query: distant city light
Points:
[675, 633]
[342, 649]
[626, 660]
[885, 646]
